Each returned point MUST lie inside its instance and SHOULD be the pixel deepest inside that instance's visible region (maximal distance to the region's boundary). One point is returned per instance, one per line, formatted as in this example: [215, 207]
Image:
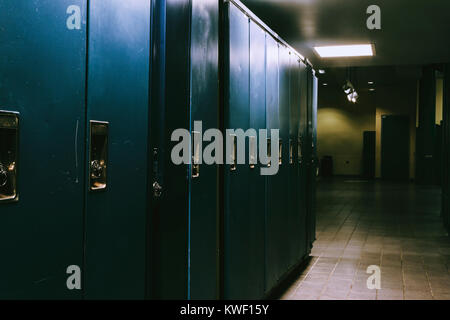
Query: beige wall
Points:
[340, 135]
[340, 127]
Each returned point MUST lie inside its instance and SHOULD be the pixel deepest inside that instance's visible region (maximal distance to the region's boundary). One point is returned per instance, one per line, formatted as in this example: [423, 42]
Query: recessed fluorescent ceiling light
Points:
[321, 71]
[357, 50]
[370, 82]
[325, 84]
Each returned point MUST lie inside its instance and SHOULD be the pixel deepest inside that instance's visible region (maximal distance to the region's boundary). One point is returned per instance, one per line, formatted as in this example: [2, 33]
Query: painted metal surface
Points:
[313, 185]
[295, 226]
[273, 226]
[445, 212]
[303, 157]
[237, 115]
[118, 83]
[146, 80]
[282, 209]
[311, 155]
[170, 212]
[42, 78]
[203, 189]
[257, 182]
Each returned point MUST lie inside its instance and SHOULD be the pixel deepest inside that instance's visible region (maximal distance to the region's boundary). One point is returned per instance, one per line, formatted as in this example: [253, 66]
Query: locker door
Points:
[283, 212]
[311, 154]
[256, 180]
[273, 226]
[42, 78]
[295, 225]
[445, 143]
[303, 156]
[118, 86]
[236, 193]
[315, 95]
[169, 275]
[204, 107]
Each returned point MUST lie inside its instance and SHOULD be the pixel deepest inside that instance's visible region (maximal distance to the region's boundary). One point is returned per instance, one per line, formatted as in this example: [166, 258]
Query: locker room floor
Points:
[396, 226]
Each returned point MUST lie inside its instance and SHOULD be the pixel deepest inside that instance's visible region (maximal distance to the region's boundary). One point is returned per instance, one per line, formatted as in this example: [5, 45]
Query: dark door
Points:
[369, 146]
[394, 147]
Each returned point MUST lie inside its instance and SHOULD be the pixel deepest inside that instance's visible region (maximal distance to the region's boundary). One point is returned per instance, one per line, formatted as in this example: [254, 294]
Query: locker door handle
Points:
[291, 151]
[253, 155]
[299, 150]
[157, 189]
[97, 168]
[98, 155]
[3, 176]
[280, 152]
[233, 157]
[9, 144]
[195, 167]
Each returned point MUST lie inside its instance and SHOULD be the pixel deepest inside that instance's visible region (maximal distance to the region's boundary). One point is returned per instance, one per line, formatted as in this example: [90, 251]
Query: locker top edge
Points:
[258, 21]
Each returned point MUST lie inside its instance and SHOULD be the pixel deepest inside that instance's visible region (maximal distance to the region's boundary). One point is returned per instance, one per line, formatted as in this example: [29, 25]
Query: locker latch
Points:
[291, 151]
[9, 140]
[233, 152]
[157, 189]
[196, 138]
[269, 151]
[98, 155]
[299, 150]
[253, 153]
[280, 151]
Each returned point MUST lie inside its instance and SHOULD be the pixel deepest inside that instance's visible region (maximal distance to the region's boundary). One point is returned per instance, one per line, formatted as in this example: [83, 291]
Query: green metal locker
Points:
[42, 98]
[237, 223]
[118, 100]
[204, 65]
[273, 223]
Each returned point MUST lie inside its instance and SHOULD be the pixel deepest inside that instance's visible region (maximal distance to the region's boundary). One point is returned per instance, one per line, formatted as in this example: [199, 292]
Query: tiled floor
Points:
[391, 225]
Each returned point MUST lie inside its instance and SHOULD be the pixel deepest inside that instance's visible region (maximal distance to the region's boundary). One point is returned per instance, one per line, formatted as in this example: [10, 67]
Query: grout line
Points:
[381, 264]
[403, 273]
[359, 261]
[428, 278]
[340, 258]
[298, 286]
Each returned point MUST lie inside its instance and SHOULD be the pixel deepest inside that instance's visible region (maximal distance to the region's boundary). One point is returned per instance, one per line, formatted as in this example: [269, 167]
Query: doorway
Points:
[395, 147]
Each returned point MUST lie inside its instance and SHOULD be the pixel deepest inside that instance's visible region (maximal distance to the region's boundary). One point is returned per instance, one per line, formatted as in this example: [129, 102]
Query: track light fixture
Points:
[350, 92]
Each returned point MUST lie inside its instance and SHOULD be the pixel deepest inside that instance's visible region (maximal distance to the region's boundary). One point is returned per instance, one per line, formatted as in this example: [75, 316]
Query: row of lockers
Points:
[445, 134]
[90, 93]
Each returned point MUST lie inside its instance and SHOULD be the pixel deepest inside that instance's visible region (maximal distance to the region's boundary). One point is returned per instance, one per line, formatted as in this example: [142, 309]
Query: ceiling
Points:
[414, 32]
[369, 82]
[381, 76]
